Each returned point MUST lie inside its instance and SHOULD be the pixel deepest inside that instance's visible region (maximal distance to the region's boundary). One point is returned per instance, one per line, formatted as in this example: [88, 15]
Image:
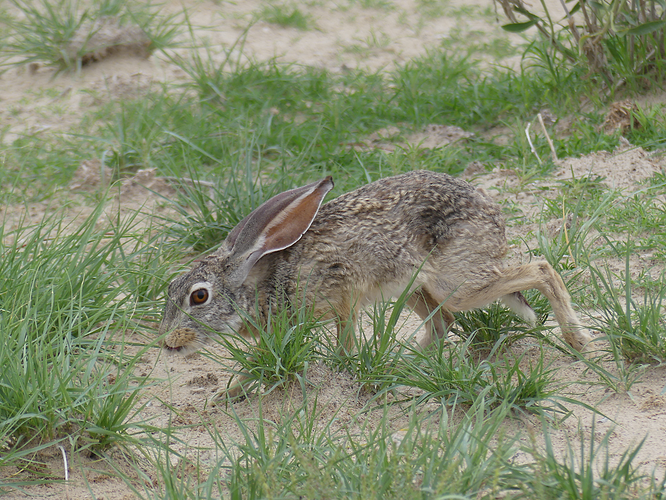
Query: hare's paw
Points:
[578, 337]
[237, 391]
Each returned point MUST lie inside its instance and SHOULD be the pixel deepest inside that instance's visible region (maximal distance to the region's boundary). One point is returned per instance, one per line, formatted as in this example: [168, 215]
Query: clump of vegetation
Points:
[619, 42]
[67, 36]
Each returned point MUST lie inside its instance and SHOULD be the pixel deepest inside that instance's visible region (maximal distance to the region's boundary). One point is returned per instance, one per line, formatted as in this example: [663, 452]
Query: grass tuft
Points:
[67, 34]
[285, 15]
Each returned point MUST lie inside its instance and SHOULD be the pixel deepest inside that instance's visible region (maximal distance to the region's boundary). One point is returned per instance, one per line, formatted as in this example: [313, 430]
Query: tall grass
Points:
[67, 293]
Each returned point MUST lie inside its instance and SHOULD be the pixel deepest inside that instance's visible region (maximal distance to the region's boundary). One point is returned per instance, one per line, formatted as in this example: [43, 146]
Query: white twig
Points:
[64, 459]
[529, 139]
[545, 132]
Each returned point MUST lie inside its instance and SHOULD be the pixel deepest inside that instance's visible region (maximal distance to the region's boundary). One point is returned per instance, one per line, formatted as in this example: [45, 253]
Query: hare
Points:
[356, 249]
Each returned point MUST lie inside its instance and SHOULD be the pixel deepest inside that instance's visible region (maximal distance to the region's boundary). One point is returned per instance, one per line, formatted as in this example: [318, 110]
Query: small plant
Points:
[570, 248]
[376, 354]
[581, 190]
[134, 133]
[280, 351]
[485, 327]
[285, 15]
[642, 215]
[370, 44]
[635, 327]
[374, 4]
[618, 42]
[453, 375]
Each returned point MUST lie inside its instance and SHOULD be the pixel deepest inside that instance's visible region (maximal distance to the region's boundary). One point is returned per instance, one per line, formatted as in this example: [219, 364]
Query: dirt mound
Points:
[627, 168]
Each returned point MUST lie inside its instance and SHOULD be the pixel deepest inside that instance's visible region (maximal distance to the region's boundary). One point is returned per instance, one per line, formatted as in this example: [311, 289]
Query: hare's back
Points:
[428, 207]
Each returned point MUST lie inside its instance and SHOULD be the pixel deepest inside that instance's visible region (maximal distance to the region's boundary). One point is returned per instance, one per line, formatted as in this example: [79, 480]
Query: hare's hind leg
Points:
[423, 304]
[540, 275]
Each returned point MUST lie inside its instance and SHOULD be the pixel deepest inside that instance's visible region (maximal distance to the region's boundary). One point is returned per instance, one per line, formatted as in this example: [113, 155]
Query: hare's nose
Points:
[172, 349]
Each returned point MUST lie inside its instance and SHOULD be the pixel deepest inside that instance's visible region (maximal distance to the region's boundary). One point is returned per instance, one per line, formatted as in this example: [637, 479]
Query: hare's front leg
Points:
[236, 390]
[423, 304]
[346, 330]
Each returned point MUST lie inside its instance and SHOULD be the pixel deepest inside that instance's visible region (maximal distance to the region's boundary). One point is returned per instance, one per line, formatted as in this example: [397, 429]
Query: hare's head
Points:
[219, 291]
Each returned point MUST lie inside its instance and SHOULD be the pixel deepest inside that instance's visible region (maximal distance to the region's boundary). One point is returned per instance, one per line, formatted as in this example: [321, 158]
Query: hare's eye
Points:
[199, 296]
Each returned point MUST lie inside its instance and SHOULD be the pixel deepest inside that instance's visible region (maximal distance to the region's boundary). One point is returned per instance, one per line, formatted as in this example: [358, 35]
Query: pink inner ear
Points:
[275, 225]
[290, 225]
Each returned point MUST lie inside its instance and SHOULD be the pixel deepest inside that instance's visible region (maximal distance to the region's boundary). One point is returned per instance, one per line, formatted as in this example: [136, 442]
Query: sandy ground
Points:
[346, 36]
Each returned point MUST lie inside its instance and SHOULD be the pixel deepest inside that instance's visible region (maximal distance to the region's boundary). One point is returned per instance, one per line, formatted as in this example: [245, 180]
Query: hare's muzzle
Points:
[179, 339]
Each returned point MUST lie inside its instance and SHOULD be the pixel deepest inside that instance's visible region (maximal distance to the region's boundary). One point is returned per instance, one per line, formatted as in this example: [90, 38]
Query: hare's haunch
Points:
[359, 248]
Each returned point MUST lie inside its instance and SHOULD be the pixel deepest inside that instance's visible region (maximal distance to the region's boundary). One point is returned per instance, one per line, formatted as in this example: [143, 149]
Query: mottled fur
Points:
[361, 247]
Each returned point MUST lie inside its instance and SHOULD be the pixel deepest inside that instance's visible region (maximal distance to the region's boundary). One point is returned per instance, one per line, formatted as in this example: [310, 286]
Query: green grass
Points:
[584, 472]
[376, 354]
[441, 455]
[455, 375]
[634, 326]
[381, 5]
[284, 112]
[372, 465]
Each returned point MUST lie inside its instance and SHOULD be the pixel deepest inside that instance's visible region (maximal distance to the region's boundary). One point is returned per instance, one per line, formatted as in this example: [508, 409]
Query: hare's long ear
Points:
[275, 225]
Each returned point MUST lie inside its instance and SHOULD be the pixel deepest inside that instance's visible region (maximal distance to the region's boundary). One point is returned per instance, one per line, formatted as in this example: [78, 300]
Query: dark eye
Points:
[198, 297]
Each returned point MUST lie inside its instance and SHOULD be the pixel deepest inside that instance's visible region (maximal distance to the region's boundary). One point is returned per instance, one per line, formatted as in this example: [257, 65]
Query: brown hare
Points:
[356, 249]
